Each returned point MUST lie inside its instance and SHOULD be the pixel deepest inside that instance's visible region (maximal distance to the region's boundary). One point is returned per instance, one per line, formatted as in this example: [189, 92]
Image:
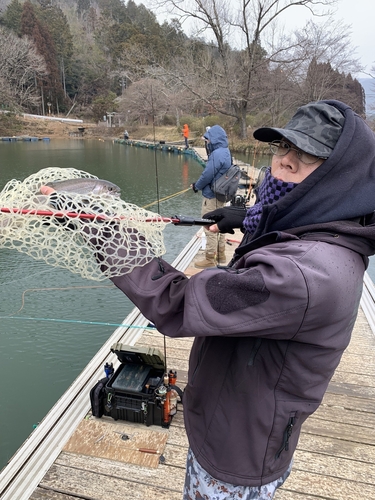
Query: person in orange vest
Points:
[185, 133]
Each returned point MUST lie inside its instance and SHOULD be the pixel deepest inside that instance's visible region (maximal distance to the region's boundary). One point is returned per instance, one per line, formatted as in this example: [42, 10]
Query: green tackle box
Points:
[130, 391]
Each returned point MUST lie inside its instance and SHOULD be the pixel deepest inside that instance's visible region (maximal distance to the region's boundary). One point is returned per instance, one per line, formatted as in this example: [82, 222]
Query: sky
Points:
[359, 14]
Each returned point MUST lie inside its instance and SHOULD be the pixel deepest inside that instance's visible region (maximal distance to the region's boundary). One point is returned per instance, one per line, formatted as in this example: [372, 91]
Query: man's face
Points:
[289, 167]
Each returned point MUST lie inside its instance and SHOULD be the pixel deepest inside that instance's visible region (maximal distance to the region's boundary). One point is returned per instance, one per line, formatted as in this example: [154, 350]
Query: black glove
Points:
[194, 188]
[227, 218]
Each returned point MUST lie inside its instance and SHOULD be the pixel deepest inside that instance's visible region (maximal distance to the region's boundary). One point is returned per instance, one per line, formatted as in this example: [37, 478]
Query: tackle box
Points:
[129, 393]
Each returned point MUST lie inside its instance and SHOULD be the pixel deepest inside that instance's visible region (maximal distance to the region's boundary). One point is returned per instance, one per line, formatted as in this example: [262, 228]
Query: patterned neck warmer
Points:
[270, 191]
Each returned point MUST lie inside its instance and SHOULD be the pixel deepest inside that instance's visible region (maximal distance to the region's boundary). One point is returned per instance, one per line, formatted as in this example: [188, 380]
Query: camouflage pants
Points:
[199, 485]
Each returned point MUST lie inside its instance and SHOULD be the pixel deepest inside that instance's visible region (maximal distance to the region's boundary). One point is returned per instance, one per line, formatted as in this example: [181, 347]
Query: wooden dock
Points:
[72, 455]
[335, 458]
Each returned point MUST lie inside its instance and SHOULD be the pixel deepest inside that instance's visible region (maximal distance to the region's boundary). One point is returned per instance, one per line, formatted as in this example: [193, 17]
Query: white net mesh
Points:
[60, 236]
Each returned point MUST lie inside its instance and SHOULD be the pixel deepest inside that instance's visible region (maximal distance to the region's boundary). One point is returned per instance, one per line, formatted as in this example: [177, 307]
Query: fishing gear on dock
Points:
[140, 390]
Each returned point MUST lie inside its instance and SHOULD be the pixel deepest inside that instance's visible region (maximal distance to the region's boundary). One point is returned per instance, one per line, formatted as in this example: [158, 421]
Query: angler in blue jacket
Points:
[217, 164]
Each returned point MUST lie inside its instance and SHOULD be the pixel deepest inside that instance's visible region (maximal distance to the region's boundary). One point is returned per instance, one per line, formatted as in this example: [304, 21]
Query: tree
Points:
[104, 104]
[324, 82]
[12, 16]
[53, 17]
[20, 66]
[246, 48]
[150, 100]
[51, 84]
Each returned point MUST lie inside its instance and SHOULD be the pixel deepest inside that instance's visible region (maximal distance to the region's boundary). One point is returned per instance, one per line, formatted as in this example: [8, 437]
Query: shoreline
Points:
[21, 127]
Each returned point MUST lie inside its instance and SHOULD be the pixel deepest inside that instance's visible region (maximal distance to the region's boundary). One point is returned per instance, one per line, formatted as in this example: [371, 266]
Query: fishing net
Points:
[67, 230]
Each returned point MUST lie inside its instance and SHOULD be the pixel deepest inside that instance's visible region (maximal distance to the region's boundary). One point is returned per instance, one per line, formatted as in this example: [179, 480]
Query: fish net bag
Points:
[71, 232]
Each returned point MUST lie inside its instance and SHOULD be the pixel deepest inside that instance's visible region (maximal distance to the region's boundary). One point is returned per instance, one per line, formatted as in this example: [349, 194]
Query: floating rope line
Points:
[166, 198]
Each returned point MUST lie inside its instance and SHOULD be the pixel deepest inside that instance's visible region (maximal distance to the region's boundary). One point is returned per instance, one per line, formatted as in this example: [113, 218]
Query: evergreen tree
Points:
[51, 88]
[12, 17]
[323, 82]
[58, 27]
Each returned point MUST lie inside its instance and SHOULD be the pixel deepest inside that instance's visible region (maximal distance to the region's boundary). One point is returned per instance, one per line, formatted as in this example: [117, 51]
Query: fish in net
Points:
[62, 228]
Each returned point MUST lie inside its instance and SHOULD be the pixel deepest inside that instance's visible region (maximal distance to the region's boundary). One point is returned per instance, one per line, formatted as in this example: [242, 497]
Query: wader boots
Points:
[209, 261]
[222, 258]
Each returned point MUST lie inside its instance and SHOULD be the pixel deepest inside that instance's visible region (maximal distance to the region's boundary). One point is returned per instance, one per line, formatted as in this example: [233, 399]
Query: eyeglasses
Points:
[282, 148]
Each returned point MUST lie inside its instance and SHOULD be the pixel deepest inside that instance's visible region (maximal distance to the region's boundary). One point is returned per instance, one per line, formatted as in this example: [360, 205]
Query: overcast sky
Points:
[359, 14]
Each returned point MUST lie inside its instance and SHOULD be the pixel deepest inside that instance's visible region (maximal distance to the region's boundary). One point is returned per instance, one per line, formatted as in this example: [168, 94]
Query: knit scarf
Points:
[270, 191]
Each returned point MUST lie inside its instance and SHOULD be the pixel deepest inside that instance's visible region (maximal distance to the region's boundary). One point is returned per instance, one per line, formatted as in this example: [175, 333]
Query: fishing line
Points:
[157, 196]
[57, 288]
[155, 156]
[77, 321]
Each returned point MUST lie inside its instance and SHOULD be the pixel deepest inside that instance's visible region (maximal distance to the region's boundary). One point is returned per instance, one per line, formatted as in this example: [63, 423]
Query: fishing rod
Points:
[177, 220]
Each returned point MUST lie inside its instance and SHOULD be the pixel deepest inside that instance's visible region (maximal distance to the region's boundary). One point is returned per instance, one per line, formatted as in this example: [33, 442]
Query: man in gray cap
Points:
[299, 148]
[270, 329]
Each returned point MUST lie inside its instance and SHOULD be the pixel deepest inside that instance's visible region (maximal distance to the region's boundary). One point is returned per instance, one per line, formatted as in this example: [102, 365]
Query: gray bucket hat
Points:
[315, 128]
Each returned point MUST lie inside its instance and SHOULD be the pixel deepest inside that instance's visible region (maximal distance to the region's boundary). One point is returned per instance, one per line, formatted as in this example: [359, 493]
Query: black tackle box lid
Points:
[139, 355]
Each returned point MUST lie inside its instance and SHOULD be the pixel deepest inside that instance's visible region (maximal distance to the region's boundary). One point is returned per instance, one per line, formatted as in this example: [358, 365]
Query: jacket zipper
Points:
[287, 433]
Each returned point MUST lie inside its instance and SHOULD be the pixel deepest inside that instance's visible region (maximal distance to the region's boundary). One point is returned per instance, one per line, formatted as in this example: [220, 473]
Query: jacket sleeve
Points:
[207, 175]
[255, 301]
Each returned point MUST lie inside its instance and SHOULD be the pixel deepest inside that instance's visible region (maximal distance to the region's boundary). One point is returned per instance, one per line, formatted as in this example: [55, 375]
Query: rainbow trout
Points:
[85, 186]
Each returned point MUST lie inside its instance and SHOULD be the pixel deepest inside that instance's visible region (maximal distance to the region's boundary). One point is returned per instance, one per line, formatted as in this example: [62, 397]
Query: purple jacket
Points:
[268, 337]
[270, 331]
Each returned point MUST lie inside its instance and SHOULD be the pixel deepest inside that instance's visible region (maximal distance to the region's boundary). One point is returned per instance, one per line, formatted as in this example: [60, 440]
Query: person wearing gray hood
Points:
[270, 328]
[219, 161]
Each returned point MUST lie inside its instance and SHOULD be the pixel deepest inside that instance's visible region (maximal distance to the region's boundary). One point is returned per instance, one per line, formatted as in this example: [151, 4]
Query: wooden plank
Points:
[104, 438]
[287, 494]
[366, 405]
[344, 468]
[48, 494]
[339, 430]
[156, 339]
[360, 452]
[319, 485]
[139, 483]
[343, 377]
[348, 389]
[359, 364]
[339, 414]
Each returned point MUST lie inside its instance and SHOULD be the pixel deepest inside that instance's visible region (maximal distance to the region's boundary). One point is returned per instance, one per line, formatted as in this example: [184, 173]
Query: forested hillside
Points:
[113, 59]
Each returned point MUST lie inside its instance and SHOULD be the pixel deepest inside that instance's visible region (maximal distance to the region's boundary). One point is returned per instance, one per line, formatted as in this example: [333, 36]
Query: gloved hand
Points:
[116, 247]
[227, 218]
[194, 188]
